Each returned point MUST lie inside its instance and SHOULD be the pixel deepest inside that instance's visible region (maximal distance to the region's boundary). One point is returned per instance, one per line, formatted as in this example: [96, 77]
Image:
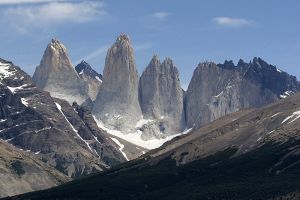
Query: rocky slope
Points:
[56, 75]
[21, 172]
[91, 78]
[217, 90]
[254, 150]
[161, 97]
[33, 121]
[117, 104]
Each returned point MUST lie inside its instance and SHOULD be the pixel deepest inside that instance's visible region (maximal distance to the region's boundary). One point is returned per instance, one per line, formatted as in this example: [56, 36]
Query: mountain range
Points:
[153, 106]
[249, 154]
[67, 122]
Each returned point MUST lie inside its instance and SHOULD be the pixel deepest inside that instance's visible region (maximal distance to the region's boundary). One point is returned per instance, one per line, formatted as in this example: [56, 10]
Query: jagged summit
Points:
[56, 74]
[161, 97]
[92, 79]
[155, 62]
[84, 67]
[123, 38]
[168, 61]
[219, 89]
[206, 64]
[55, 40]
[56, 45]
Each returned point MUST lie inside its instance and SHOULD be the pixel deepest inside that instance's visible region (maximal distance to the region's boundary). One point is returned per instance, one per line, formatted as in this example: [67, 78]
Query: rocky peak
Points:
[217, 90]
[92, 79]
[56, 74]
[241, 63]
[123, 39]
[118, 95]
[155, 62]
[84, 67]
[168, 62]
[259, 71]
[228, 64]
[206, 64]
[161, 97]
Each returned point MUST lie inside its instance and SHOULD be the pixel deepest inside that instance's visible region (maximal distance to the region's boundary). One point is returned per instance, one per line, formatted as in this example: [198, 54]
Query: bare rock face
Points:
[92, 79]
[208, 92]
[161, 96]
[117, 104]
[56, 75]
[217, 90]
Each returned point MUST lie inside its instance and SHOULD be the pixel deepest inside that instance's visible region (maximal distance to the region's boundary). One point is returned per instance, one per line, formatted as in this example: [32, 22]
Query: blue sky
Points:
[189, 32]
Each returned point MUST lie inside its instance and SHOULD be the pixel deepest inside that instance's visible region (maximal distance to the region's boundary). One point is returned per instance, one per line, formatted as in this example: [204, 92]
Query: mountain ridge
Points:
[257, 160]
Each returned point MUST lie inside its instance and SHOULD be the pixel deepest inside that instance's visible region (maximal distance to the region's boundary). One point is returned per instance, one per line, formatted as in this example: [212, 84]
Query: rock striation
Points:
[92, 79]
[56, 75]
[161, 96]
[117, 104]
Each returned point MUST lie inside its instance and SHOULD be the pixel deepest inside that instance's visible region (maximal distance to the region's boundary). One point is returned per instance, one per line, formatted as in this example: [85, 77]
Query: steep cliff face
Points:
[217, 90]
[91, 78]
[208, 92]
[117, 104]
[161, 96]
[56, 75]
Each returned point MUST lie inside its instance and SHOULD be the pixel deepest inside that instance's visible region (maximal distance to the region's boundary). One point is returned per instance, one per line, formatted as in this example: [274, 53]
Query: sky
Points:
[188, 32]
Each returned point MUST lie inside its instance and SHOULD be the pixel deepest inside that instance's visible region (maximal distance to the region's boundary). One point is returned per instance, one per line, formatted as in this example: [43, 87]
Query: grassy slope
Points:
[215, 177]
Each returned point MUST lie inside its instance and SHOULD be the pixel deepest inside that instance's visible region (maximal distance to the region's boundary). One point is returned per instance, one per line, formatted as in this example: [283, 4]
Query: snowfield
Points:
[293, 117]
[135, 137]
[121, 147]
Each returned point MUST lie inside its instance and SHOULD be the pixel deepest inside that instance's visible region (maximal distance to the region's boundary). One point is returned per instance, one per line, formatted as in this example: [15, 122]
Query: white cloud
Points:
[7, 2]
[27, 16]
[94, 54]
[161, 15]
[232, 22]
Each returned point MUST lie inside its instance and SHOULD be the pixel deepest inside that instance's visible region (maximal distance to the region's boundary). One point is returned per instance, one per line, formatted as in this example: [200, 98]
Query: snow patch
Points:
[98, 79]
[275, 114]
[286, 94]
[24, 102]
[294, 117]
[135, 137]
[8, 140]
[87, 144]
[5, 71]
[218, 95]
[121, 147]
[43, 129]
[3, 120]
[96, 138]
[36, 153]
[15, 89]
[279, 70]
